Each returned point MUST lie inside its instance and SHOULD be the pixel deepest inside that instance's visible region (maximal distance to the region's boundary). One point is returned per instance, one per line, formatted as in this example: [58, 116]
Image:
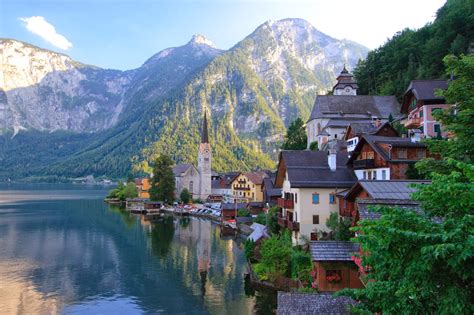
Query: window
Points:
[314, 236]
[420, 153]
[370, 155]
[420, 113]
[315, 219]
[384, 174]
[333, 276]
[437, 129]
[315, 198]
[369, 175]
[374, 175]
[332, 198]
[402, 153]
[296, 198]
[191, 187]
[335, 136]
[365, 174]
[253, 195]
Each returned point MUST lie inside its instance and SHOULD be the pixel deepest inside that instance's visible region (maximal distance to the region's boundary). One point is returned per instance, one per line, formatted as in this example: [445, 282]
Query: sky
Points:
[123, 34]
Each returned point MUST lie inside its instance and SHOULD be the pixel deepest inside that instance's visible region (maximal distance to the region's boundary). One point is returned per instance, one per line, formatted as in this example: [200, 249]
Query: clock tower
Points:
[204, 162]
[346, 85]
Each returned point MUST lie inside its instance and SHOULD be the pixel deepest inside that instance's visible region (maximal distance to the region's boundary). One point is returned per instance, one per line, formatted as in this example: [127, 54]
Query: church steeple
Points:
[346, 84]
[204, 133]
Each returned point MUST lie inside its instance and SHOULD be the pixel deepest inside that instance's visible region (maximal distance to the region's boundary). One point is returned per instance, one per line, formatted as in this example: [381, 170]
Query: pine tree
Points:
[296, 138]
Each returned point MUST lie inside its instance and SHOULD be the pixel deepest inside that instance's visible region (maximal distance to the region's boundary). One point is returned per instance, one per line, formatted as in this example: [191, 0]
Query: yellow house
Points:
[247, 187]
[310, 181]
[143, 185]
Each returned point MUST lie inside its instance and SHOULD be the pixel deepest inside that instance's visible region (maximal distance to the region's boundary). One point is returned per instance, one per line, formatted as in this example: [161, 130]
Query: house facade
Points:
[247, 187]
[143, 187]
[385, 158]
[355, 131]
[334, 266]
[187, 176]
[310, 181]
[419, 103]
[331, 114]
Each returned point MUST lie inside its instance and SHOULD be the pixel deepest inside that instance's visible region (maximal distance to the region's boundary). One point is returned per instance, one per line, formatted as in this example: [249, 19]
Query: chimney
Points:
[332, 159]
[378, 122]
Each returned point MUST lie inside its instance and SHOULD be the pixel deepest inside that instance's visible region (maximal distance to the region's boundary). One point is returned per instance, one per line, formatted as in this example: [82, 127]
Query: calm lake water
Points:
[62, 250]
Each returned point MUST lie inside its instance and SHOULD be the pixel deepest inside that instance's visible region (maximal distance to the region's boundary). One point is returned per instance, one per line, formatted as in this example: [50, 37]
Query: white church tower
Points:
[346, 85]
[204, 162]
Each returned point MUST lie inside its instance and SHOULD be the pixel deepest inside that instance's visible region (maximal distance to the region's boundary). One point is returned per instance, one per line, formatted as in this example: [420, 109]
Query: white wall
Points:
[378, 172]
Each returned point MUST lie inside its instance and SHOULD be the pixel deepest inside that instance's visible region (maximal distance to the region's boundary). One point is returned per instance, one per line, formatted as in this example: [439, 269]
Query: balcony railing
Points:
[413, 123]
[242, 188]
[282, 221]
[293, 226]
[285, 203]
[366, 163]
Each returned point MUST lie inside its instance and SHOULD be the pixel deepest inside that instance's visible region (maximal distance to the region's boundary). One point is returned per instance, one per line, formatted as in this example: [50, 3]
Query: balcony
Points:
[281, 221]
[362, 164]
[242, 188]
[285, 203]
[413, 123]
[293, 226]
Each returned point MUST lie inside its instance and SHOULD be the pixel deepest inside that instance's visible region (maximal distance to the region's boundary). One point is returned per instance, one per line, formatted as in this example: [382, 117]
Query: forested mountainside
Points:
[418, 54]
[252, 92]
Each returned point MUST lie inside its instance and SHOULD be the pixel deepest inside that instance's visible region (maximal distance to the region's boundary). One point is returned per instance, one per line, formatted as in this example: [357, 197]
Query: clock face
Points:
[348, 90]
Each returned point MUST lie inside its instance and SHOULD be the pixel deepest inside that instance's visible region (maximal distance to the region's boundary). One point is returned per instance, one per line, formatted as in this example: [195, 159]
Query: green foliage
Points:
[249, 247]
[339, 226]
[276, 254]
[261, 218]
[123, 192]
[185, 196]
[411, 55]
[243, 213]
[162, 183]
[296, 138]
[314, 146]
[307, 290]
[198, 200]
[424, 262]
[301, 264]
[272, 220]
[260, 270]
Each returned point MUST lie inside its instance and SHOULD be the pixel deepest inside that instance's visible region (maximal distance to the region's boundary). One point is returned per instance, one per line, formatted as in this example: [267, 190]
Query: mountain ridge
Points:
[253, 91]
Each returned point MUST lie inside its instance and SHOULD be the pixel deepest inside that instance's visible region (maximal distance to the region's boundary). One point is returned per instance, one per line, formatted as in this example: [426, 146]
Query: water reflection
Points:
[77, 255]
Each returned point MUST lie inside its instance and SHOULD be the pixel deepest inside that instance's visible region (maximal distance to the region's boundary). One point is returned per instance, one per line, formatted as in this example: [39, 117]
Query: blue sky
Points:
[123, 34]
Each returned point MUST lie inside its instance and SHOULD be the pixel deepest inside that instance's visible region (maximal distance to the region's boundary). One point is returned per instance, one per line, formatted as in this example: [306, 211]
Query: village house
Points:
[310, 181]
[334, 266]
[385, 158]
[332, 114]
[247, 187]
[419, 103]
[143, 186]
[186, 176]
[355, 131]
[270, 193]
[222, 185]
[355, 202]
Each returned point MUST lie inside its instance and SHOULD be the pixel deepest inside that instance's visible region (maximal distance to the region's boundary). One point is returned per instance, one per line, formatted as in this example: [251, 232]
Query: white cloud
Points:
[39, 26]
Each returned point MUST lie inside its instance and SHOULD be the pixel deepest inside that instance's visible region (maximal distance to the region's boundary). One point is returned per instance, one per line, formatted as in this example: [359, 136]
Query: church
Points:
[332, 114]
[196, 180]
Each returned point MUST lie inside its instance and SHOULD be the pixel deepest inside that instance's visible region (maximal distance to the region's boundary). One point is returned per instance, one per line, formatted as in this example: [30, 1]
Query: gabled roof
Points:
[255, 177]
[295, 303]
[333, 250]
[367, 128]
[269, 187]
[376, 141]
[354, 107]
[259, 231]
[426, 89]
[179, 169]
[308, 169]
[366, 214]
[384, 189]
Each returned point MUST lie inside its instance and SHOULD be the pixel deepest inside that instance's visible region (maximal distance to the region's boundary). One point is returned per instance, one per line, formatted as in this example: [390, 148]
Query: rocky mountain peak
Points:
[199, 39]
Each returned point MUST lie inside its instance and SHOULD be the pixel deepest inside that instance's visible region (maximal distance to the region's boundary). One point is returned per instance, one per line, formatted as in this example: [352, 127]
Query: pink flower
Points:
[314, 285]
[313, 273]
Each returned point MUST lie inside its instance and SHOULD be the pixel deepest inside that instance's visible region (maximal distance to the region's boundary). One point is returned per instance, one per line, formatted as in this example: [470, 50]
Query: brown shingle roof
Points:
[256, 177]
[333, 250]
[425, 89]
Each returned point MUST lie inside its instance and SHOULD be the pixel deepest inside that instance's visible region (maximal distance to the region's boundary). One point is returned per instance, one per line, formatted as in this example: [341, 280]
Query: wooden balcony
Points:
[285, 203]
[293, 226]
[282, 221]
[413, 123]
[363, 164]
[242, 188]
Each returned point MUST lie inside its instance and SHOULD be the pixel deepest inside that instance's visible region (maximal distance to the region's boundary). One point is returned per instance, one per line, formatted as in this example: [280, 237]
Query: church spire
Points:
[204, 134]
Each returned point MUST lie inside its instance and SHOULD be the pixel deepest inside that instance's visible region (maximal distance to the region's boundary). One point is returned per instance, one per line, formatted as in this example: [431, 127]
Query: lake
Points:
[63, 250]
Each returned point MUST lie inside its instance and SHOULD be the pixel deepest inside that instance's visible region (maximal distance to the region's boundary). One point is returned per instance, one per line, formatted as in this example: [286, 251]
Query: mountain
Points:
[251, 91]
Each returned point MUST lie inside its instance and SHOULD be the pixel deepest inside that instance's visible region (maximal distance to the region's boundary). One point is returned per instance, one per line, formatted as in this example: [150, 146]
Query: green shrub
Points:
[249, 246]
[301, 264]
[261, 218]
[243, 213]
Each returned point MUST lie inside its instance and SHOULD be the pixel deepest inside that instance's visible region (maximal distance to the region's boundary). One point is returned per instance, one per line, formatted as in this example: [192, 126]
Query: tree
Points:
[314, 146]
[339, 226]
[122, 192]
[185, 196]
[295, 138]
[162, 183]
[272, 220]
[423, 262]
[276, 254]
